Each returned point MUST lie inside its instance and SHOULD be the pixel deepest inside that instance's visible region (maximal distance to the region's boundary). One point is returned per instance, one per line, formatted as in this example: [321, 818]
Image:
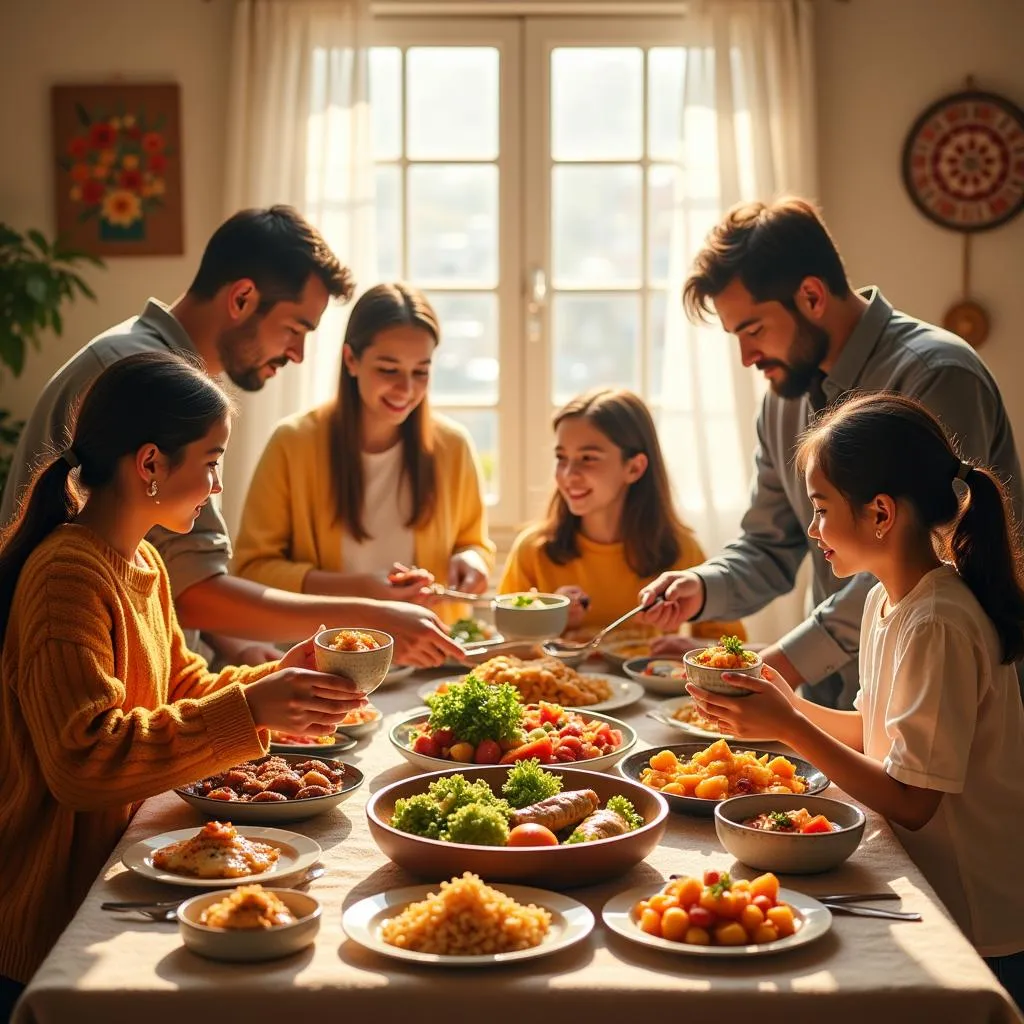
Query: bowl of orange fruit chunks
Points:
[718, 915]
[693, 777]
[789, 834]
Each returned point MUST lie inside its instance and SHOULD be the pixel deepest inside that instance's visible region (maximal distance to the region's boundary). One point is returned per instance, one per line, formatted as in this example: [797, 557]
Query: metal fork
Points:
[166, 910]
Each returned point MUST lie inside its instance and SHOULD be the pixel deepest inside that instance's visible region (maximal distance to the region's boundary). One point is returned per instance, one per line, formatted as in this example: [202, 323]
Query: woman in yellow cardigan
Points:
[350, 495]
[101, 703]
[611, 526]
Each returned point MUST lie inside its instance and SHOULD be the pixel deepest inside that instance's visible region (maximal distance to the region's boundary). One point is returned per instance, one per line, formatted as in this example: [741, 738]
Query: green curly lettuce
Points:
[477, 825]
[419, 815]
[475, 711]
[528, 783]
[453, 792]
[626, 811]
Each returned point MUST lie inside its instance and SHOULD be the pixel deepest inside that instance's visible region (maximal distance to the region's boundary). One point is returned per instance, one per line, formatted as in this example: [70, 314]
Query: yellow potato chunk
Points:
[715, 788]
[782, 917]
[732, 933]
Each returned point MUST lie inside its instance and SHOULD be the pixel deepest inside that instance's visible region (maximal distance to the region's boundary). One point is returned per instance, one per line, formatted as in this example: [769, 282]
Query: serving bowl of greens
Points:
[473, 722]
[540, 825]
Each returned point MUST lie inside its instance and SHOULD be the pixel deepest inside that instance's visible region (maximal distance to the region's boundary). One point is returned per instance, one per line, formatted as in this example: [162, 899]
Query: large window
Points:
[528, 178]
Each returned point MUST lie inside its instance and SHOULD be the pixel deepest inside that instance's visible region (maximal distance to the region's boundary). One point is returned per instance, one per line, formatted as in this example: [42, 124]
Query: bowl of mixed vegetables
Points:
[473, 722]
[531, 616]
[524, 822]
[790, 834]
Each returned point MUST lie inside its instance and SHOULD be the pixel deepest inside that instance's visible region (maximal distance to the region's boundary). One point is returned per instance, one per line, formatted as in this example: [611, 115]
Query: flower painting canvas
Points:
[118, 168]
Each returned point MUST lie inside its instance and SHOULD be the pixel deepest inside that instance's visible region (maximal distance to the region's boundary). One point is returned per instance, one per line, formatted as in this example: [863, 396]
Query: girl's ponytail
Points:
[986, 552]
[50, 502]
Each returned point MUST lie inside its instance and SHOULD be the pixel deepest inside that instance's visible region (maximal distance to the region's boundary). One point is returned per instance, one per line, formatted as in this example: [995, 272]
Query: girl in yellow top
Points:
[348, 496]
[611, 527]
[101, 703]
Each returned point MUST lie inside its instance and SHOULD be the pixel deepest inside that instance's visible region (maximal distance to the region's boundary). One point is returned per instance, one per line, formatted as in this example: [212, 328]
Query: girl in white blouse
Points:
[936, 740]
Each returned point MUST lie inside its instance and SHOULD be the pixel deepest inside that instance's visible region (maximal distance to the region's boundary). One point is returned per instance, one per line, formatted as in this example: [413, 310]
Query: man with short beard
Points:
[262, 285]
[776, 281]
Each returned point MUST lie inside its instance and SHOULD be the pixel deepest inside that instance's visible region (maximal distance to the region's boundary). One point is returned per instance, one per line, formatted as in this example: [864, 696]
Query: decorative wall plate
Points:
[963, 161]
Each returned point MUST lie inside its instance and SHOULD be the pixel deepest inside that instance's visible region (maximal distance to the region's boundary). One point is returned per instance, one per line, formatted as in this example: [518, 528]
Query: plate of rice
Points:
[467, 923]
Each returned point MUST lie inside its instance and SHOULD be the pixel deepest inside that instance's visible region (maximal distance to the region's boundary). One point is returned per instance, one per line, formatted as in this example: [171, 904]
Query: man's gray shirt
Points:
[190, 557]
[888, 351]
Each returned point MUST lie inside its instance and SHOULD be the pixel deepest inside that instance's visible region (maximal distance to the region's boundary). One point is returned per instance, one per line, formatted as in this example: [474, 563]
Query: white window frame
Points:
[505, 34]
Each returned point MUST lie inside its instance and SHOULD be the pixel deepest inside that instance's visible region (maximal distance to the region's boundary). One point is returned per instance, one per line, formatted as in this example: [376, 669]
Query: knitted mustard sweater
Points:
[101, 706]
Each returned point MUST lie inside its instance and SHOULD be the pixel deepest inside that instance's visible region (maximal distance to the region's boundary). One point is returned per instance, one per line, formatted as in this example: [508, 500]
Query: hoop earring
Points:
[878, 534]
[151, 490]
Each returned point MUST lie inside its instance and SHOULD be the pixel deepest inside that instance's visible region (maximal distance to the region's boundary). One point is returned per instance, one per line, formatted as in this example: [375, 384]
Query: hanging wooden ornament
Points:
[963, 167]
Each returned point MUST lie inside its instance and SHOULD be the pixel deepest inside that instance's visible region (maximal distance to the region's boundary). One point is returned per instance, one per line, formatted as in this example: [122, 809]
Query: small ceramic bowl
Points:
[544, 617]
[786, 852]
[710, 679]
[660, 678]
[249, 945]
[366, 669]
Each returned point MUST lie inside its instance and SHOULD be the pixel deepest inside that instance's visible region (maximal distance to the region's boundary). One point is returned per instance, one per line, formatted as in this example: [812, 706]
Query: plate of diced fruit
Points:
[475, 723]
[718, 915]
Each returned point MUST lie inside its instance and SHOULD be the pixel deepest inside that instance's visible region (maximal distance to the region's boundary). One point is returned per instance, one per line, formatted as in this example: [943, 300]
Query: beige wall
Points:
[43, 42]
[880, 63]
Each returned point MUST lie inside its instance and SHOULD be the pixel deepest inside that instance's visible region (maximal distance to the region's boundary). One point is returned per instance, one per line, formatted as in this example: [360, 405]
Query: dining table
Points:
[123, 968]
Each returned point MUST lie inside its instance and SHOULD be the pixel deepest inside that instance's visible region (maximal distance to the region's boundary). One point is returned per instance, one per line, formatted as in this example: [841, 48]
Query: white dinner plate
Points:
[665, 709]
[297, 854]
[624, 691]
[813, 917]
[570, 923]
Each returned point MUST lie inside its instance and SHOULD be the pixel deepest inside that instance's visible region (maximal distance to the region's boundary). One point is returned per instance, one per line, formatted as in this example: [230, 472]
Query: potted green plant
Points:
[36, 278]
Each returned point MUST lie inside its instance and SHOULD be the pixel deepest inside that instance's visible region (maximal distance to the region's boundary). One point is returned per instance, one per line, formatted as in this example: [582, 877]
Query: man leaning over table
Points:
[263, 283]
[775, 279]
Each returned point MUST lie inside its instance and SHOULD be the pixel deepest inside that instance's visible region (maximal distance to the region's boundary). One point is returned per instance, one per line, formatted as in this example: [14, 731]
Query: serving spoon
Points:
[571, 648]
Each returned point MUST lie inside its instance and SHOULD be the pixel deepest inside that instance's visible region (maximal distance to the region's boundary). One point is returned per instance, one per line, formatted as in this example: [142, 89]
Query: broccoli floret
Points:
[418, 815]
[478, 825]
[453, 793]
[528, 783]
[626, 811]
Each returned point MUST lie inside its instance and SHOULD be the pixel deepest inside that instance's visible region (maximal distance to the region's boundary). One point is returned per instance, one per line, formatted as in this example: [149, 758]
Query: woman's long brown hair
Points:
[383, 306]
[651, 530]
[885, 443]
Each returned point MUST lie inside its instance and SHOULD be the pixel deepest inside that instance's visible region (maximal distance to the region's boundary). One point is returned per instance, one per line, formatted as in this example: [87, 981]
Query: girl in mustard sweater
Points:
[611, 526]
[101, 703]
[350, 495]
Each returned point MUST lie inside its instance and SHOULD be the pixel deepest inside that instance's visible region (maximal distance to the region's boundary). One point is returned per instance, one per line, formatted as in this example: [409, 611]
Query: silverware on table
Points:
[570, 648]
[165, 910]
[856, 910]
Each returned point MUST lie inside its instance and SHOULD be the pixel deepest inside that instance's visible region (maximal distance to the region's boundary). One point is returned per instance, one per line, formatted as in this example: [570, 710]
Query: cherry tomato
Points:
[532, 834]
[712, 877]
[444, 737]
[487, 752]
[426, 745]
[764, 903]
[701, 917]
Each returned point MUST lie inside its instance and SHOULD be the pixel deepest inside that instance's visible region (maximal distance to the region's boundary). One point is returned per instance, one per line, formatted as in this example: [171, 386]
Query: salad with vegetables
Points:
[531, 811]
[475, 723]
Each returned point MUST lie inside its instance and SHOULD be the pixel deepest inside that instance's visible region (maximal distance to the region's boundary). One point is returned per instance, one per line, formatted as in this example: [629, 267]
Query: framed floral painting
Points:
[118, 168]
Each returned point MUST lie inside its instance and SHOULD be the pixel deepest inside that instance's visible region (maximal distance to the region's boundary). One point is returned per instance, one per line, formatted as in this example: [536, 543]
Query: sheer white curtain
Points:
[748, 133]
[299, 133]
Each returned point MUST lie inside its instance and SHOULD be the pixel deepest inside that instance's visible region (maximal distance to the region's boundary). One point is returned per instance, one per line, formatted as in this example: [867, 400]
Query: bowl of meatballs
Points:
[268, 790]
